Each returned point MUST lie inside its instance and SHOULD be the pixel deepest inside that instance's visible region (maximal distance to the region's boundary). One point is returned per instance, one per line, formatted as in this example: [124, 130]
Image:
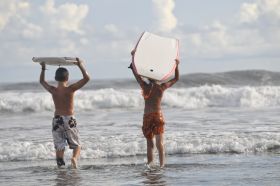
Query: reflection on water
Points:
[67, 177]
[154, 177]
[200, 169]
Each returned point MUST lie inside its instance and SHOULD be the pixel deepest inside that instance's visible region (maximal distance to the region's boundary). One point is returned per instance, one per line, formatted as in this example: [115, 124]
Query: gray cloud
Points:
[166, 20]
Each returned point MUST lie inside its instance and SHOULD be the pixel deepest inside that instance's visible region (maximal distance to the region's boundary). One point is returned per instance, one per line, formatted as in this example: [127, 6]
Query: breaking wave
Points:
[190, 98]
[121, 146]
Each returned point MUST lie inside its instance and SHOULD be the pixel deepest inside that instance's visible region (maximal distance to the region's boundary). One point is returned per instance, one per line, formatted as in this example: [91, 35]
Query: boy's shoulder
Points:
[61, 91]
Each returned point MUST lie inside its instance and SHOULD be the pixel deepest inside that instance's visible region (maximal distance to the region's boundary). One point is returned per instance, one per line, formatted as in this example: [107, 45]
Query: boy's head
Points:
[154, 81]
[61, 74]
[151, 80]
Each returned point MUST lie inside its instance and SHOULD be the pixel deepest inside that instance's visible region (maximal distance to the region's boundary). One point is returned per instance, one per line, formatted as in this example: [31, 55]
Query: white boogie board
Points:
[57, 61]
[155, 56]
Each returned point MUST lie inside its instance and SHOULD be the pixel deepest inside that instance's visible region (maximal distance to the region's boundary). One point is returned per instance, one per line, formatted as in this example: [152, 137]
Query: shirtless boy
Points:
[153, 121]
[64, 129]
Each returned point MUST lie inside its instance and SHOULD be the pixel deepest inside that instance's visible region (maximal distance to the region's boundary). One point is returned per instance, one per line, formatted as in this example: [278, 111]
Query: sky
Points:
[214, 35]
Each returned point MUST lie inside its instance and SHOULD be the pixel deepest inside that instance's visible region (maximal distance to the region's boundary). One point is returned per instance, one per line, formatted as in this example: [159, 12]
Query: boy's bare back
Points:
[152, 94]
[63, 98]
[63, 95]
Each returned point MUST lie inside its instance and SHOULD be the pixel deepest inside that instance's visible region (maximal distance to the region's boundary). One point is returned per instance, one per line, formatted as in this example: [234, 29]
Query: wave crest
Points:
[190, 98]
[121, 146]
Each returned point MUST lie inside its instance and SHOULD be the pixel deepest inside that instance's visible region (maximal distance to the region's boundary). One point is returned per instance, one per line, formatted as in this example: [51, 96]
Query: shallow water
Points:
[226, 169]
[214, 144]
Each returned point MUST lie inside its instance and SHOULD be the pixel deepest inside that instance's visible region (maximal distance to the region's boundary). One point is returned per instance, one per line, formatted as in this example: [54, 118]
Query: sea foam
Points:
[122, 146]
[190, 98]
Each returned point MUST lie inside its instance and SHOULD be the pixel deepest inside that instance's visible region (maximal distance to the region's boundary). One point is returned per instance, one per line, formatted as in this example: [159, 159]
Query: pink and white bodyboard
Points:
[155, 56]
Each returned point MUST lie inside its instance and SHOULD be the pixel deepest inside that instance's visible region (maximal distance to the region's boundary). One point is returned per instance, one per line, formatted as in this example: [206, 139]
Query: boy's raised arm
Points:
[83, 81]
[43, 82]
[137, 77]
[175, 79]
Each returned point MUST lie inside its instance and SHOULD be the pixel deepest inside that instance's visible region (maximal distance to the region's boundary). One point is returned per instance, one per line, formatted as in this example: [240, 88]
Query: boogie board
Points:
[57, 61]
[155, 56]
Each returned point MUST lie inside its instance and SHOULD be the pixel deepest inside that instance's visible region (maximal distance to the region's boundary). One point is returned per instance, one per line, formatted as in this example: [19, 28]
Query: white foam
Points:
[123, 146]
[191, 98]
[223, 143]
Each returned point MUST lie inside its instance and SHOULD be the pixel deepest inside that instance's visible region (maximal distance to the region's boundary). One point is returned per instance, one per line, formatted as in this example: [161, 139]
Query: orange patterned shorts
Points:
[153, 124]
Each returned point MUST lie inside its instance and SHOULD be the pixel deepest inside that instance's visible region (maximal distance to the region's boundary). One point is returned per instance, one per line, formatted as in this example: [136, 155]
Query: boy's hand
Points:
[130, 66]
[177, 61]
[43, 65]
[79, 62]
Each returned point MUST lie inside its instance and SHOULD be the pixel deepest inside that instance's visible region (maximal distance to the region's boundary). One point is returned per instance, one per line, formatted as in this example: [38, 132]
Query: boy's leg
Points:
[160, 147]
[59, 158]
[73, 141]
[76, 154]
[59, 140]
[59, 153]
[150, 150]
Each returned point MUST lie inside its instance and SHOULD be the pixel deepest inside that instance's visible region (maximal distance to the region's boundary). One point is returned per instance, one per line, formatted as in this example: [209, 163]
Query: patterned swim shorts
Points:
[153, 124]
[65, 132]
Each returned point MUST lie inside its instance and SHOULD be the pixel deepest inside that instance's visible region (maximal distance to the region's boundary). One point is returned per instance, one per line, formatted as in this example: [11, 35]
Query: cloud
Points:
[164, 12]
[29, 28]
[255, 33]
[32, 31]
[67, 17]
[265, 11]
[114, 32]
[10, 9]
[14, 18]
[263, 18]
[211, 41]
[249, 13]
[111, 28]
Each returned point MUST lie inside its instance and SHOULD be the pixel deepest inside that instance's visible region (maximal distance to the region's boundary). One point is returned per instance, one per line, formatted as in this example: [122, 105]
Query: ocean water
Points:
[218, 133]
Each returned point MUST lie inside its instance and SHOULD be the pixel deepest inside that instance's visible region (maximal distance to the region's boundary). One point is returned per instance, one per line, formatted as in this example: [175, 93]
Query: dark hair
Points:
[151, 80]
[61, 74]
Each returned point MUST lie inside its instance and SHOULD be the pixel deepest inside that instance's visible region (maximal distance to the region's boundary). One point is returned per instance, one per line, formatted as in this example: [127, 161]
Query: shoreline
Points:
[201, 169]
